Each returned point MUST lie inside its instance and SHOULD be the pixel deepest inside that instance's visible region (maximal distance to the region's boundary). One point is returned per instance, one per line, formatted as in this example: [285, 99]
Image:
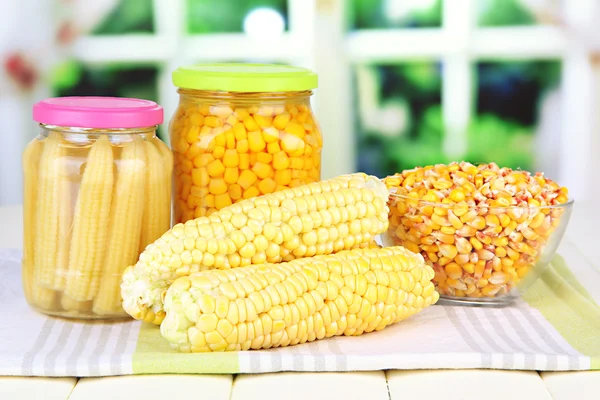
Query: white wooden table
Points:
[395, 385]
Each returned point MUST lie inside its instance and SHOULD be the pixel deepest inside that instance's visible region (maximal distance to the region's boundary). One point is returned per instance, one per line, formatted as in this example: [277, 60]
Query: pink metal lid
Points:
[98, 112]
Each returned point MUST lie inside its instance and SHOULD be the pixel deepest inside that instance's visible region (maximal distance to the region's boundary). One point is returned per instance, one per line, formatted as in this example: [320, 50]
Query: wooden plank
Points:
[466, 385]
[580, 385]
[17, 388]
[154, 387]
[311, 385]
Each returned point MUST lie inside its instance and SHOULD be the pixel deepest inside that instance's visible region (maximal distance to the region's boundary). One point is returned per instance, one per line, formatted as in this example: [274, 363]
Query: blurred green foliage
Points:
[505, 112]
[372, 14]
[503, 13]
[112, 80]
[512, 90]
[507, 94]
[212, 16]
[501, 129]
[129, 16]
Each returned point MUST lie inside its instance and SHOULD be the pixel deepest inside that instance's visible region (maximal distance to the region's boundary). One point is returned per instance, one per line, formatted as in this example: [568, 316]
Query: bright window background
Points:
[402, 82]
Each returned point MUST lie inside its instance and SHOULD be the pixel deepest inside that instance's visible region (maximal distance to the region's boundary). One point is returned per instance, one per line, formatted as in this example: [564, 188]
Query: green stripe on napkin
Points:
[568, 306]
[153, 355]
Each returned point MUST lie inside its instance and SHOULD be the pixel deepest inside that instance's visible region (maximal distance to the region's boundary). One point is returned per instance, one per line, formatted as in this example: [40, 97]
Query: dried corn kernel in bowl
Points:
[487, 231]
[240, 131]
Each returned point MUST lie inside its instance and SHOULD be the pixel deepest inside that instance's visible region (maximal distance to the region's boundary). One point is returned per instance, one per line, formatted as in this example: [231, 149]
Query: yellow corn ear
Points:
[157, 197]
[125, 224]
[318, 218]
[50, 171]
[167, 158]
[90, 225]
[39, 296]
[275, 305]
[78, 307]
[65, 227]
[31, 157]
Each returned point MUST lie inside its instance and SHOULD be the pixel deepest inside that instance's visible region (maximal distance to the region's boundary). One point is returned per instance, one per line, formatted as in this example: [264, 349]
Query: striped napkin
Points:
[554, 326]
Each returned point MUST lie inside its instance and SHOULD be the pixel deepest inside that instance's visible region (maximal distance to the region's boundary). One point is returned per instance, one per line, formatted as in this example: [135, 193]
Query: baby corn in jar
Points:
[240, 131]
[97, 191]
[483, 229]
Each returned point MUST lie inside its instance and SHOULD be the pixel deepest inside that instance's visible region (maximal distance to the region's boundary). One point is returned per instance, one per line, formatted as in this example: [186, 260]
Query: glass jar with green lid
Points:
[241, 130]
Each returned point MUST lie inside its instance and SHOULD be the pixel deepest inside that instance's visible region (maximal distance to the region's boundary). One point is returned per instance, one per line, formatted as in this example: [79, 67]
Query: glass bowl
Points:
[482, 255]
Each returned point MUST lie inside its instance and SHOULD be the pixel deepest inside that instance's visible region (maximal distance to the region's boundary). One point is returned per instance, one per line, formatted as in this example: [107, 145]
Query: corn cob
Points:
[65, 227]
[90, 227]
[125, 224]
[77, 307]
[37, 295]
[318, 218]
[157, 215]
[275, 305]
[48, 208]
[167, 157]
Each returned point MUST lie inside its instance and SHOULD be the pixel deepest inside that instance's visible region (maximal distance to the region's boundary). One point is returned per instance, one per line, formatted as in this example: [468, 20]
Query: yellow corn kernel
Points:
[251, 192]
[239, 131]
[200, 177]
[444, 260]
[222, 201]
[231, 175]
[241, 146]
[256, 143]
[477, 245]
[231, 158]
[267, 186]
[478, 222]
[209, 200]
[469, 268]
[244, 161]
[448, 230]
[273, 148]
[250, 124]
[270, 135]
[442, 184]
[283, 177]
[235, 191]
[215, 168]
[280, 121]
[212, 121]
[292, 145]
[453, 270]
[457, 195]
[217, 186]
[247, 179]
[203, 160]
[281, 161]
[262, 170]
[448, 250]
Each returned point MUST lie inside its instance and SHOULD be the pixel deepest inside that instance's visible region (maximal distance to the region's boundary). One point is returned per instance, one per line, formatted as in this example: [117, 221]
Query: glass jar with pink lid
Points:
[97, 191]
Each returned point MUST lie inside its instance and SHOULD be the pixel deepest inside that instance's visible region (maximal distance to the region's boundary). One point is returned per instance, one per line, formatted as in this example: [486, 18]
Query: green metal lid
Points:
[245, 78]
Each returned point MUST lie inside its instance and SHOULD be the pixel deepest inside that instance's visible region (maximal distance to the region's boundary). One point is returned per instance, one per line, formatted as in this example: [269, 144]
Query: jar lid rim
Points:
[98, 112]
[245, 77]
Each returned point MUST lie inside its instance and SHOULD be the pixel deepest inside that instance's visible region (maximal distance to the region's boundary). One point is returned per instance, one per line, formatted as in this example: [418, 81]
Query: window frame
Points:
[317, 38]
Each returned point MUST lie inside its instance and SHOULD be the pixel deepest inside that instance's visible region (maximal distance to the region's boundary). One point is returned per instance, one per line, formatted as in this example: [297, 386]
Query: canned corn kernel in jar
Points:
[488, 232]
[97, 191]
[240, 131]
